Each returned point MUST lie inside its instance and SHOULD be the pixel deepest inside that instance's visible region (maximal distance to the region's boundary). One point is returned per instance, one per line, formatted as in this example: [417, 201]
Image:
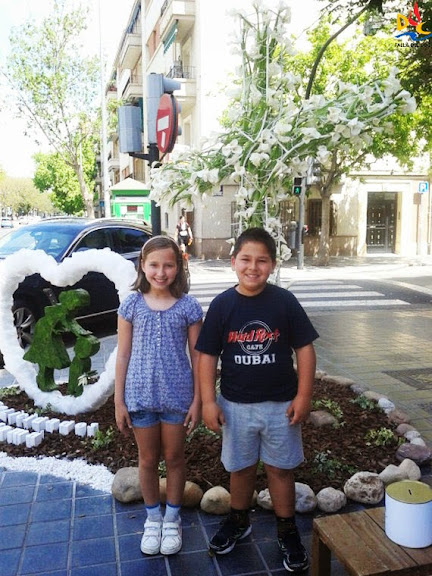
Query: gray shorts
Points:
[259, 431]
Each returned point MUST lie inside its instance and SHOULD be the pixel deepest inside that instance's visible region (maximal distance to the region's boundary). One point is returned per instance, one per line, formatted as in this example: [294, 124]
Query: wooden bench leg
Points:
[321, 557]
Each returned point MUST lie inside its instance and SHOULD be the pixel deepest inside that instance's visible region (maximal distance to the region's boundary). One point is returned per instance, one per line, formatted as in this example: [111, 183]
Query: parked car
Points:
[61, 237]
[6, 222]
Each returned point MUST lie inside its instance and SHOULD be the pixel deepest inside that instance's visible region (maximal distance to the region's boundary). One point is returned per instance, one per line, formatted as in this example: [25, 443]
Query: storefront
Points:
[130, 199]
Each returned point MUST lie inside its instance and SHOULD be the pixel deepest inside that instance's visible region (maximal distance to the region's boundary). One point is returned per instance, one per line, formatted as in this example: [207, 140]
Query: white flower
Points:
[256, 158]
[409, 107]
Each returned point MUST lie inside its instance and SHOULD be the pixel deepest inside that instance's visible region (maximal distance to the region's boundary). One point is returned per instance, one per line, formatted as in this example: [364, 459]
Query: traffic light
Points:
[297, 186]
[314, 172]
[157, 86]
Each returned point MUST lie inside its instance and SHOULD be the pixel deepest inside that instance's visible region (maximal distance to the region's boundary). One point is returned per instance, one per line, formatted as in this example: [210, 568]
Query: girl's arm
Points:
[194, 412]
[301, 405]
[124, 331]
[212, 414]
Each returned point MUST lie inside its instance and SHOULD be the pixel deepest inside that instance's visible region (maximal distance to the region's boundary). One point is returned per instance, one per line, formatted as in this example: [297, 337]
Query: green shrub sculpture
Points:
[48, 349]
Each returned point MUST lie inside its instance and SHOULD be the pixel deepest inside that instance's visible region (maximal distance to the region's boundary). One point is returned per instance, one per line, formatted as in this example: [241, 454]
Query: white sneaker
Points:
[151, 540]
[171, 537]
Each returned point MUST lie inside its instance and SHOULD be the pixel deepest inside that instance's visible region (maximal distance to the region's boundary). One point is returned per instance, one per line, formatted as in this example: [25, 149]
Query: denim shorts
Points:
[259, 431]
[145, 419]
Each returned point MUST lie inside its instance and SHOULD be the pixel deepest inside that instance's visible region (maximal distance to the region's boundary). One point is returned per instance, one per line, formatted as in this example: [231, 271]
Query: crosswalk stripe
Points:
[312, 294]
[346, 303]
[354, 294]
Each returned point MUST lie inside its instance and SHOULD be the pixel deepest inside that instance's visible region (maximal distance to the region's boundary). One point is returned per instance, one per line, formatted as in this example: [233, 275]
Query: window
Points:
[128, 240]
[314, 217]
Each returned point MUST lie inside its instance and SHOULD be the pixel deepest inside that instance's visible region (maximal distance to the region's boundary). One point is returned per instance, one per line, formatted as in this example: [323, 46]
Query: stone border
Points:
[363, 487]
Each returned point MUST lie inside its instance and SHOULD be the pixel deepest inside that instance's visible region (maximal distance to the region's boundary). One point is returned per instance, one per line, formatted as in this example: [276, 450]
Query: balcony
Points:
[130, 86]
[131, 51]
[178, 15]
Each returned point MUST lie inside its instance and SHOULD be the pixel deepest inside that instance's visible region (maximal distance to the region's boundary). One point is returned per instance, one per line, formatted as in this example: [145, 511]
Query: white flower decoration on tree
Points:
[265, 166]
[23, 263]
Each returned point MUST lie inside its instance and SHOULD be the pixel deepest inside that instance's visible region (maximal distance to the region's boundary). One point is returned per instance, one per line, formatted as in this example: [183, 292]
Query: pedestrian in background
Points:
[254, 327]
[156, 387]
[183, 234]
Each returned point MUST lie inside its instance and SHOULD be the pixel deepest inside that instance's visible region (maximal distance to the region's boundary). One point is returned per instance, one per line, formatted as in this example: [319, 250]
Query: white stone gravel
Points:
[96, 476]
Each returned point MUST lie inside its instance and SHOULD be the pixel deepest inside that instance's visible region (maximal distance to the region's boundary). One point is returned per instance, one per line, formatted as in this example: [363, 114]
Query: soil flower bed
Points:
[362, 440]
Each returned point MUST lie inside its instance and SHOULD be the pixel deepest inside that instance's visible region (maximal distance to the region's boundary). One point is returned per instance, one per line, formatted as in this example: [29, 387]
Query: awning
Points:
[170, 37]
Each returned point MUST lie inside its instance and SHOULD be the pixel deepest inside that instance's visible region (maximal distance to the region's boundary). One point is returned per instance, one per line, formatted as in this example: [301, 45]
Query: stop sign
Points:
[166, 123]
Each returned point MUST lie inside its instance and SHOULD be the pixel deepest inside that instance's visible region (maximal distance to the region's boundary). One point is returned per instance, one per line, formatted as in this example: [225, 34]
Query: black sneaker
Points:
[295, 558]
[228, 534]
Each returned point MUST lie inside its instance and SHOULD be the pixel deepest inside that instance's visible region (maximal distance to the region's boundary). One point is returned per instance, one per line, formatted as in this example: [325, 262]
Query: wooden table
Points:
[359, 542]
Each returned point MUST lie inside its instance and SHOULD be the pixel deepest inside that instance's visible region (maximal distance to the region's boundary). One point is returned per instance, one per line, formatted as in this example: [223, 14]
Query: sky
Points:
[16, 149]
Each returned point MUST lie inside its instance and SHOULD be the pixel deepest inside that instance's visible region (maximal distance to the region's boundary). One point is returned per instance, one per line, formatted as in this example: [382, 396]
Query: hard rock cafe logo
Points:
[254, 337]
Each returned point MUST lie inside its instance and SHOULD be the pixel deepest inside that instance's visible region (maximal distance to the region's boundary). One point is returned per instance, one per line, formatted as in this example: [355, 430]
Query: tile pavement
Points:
[55, 527]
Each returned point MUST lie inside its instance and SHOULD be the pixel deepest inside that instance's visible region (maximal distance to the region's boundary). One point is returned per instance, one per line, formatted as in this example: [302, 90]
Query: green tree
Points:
[21, 196]
[55, 86]
[415, 60]
[352, 61]
[54, 175]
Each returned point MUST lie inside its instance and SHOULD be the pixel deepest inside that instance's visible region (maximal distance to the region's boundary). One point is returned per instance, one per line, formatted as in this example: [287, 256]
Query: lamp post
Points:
[371, 5]
[105, 177]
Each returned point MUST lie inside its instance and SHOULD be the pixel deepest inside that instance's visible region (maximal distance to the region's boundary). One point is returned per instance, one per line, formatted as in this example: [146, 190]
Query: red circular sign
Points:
[166, 123]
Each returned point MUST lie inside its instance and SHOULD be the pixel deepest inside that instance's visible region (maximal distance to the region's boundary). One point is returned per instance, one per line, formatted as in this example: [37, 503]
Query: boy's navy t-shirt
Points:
[255, 337]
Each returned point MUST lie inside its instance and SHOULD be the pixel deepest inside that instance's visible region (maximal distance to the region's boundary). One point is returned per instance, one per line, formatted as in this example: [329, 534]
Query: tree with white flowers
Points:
[269, 134]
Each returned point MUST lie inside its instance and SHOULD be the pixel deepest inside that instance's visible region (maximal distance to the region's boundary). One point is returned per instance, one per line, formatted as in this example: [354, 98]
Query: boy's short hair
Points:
[256, 235]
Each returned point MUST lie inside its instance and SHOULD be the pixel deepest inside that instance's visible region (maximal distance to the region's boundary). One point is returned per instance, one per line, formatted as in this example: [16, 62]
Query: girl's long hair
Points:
[179, 286]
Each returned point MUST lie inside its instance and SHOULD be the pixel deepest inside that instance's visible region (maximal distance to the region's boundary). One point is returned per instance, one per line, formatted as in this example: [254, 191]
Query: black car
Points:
[61, 237]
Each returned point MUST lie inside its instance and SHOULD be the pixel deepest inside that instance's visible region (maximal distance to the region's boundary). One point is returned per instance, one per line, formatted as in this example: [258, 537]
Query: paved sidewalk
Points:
[56, 527]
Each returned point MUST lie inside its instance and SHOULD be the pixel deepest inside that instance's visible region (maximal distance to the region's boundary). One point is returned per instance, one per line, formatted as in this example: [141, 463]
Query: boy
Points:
[254, 327]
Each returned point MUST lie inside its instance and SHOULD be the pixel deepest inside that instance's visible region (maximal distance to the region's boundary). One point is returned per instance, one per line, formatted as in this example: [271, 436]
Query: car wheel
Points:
[24, 320]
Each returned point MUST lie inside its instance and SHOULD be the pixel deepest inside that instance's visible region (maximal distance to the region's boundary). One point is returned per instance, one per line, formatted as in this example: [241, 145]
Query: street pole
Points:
[300, 251]
[153, 156]
[105, 177]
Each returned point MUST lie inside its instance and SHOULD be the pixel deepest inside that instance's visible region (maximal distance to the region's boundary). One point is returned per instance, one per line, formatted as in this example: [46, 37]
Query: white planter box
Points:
[66, 427]
[80, 428]
[92, 429]
[20, 419]
[38, 424]
[27, 422]
[4, 430]
[52, 425]
[34, 439]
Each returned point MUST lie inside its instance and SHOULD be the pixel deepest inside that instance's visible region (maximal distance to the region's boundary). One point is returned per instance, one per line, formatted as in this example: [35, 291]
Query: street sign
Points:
[423, 187]
[166, 123]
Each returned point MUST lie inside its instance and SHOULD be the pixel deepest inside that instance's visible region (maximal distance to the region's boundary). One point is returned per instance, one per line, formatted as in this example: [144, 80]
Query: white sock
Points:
[172, 513]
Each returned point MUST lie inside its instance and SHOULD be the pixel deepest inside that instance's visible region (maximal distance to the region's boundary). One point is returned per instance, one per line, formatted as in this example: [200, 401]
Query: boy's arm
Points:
[300, 406]
[212, 415]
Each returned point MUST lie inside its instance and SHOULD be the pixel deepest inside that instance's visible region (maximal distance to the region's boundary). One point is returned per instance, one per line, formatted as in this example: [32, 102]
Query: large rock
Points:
[419, 454]
[338, 380]
[365, 487]
[398, 417]
[216, 500]
[331, 500]
[264, 500]
[305, 499]
[410, 469]
[191, 496]
[403, 428]
[126, 486]
[320, 418]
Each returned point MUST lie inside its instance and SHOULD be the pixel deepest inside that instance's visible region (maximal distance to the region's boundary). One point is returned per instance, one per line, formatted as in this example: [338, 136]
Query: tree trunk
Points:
[324, 244]
[87, 196]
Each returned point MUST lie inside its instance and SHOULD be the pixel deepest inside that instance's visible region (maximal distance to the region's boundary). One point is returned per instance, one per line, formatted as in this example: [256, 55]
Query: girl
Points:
[156, 389]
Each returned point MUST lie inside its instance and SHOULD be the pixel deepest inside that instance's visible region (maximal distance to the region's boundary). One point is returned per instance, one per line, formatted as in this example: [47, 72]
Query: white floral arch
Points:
[23, 263]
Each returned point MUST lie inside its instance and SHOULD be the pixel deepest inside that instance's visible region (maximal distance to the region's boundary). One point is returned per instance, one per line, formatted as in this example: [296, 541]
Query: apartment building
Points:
[382, 210]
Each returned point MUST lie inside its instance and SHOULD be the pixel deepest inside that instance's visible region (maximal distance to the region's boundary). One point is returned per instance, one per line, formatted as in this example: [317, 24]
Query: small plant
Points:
[201, 429]
[364, 402]
[381, 437]
[101, 439]
[9, 391]
[332, 407]
[162, 469]
[323, 463]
